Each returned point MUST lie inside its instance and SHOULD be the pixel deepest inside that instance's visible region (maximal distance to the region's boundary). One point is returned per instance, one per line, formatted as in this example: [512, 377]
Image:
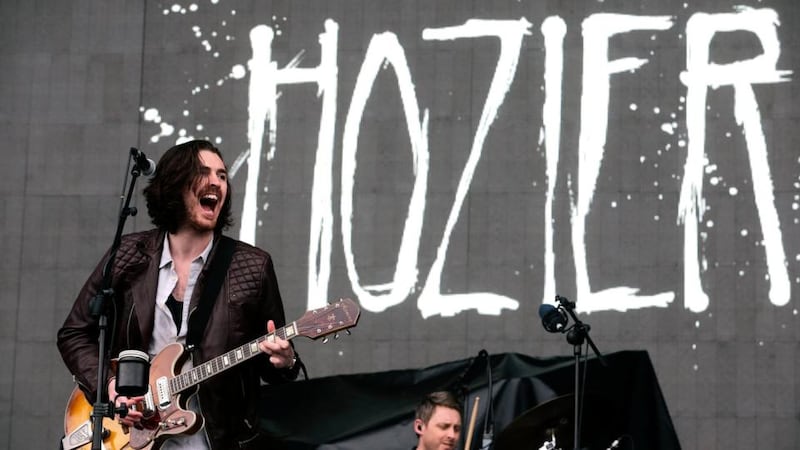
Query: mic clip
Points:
[565, 303]
[142, 164]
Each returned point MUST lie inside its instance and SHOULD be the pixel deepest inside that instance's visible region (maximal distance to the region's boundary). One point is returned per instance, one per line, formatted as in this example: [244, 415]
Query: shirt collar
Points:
[166, 253]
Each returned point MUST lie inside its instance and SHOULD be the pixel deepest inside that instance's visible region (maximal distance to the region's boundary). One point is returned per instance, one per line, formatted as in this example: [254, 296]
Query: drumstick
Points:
[472, 423]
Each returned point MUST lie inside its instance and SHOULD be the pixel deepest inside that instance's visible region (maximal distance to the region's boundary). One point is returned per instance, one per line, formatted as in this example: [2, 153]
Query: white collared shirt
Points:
[166, 332]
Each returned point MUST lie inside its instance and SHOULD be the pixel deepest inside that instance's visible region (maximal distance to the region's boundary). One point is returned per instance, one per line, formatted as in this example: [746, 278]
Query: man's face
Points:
[442, 430]
[204, 199]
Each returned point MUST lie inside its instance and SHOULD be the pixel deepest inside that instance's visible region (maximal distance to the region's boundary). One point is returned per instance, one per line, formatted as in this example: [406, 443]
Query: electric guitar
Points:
[163, 406]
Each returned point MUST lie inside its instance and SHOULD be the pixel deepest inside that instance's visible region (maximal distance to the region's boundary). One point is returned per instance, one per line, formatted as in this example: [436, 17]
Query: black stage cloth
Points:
[532, 400]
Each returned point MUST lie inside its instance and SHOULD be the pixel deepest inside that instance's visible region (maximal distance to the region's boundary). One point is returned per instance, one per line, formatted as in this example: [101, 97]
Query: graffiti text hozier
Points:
[384, 50]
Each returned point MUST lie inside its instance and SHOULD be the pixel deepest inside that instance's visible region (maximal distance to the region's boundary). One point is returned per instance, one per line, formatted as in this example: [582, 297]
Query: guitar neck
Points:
[212, 367]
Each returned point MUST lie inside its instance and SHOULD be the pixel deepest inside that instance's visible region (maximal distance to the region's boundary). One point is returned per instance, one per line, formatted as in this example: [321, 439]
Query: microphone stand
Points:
[99, 309]
[578, 333]
[461, 389]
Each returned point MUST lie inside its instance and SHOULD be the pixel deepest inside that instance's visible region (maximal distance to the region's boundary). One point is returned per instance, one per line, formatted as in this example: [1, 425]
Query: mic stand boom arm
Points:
[104, 407]
[580, 330]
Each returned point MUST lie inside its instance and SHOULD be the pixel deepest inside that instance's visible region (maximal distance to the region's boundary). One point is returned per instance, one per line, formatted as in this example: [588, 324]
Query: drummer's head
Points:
[438, 421]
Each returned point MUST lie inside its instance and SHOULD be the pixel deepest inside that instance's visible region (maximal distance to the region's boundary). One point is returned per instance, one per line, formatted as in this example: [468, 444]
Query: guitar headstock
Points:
[337, 316]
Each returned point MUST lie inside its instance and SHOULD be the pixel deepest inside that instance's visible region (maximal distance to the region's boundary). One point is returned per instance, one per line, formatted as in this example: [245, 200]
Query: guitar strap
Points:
[217, 269]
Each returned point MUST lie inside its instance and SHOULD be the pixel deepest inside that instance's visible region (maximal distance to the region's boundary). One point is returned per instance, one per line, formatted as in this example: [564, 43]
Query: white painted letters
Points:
[699, 75]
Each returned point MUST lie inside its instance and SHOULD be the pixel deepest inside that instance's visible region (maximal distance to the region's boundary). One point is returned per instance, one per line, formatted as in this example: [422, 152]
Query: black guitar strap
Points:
[217, 269]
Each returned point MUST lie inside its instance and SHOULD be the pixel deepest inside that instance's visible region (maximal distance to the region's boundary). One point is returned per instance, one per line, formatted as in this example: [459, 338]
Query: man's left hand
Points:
[281, 354]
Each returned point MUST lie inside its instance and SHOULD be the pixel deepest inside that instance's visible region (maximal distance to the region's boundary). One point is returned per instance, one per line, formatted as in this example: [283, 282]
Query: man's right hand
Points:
[134, 415]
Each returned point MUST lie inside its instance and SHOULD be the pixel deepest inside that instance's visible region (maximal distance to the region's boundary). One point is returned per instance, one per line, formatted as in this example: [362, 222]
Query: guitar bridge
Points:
[172, 423]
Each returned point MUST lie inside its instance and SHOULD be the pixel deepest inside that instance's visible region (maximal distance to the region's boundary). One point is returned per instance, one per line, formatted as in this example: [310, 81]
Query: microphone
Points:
[553, 319]
[133, 370]
[145, 165]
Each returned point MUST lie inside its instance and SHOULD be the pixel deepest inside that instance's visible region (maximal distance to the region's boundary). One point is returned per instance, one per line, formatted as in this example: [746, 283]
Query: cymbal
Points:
[553, 421]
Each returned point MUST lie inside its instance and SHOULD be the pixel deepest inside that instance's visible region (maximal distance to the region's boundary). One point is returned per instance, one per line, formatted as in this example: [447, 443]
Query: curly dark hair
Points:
[177, 170]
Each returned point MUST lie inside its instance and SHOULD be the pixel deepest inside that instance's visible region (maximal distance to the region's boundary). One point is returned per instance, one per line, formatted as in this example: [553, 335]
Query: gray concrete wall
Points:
[85, 81]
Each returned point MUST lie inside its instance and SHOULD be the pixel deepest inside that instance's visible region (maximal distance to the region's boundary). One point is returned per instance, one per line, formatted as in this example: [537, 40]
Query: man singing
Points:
[158, 279]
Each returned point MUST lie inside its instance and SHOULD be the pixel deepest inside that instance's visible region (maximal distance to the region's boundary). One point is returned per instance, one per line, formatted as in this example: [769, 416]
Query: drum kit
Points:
[550, 425]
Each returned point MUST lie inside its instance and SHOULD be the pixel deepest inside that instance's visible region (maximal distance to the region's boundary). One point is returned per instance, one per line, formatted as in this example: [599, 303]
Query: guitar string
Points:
[198, 374]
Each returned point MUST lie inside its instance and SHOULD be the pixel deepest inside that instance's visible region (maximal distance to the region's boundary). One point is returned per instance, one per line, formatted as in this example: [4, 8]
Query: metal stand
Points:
[104, 407]
[577, 334]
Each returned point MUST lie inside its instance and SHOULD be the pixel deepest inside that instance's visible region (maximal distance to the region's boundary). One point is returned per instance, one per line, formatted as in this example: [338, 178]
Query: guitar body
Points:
[78, 426]
[157, 426]
[164, 406]
[170, 420]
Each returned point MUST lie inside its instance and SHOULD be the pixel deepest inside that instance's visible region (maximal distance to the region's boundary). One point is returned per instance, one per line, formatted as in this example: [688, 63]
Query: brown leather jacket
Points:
[248, 298]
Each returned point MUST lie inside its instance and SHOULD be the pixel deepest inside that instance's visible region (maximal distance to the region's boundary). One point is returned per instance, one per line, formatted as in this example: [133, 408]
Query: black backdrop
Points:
[532, 403]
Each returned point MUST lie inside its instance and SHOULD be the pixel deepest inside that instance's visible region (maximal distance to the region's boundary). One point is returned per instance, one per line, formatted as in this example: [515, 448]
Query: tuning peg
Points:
[325, 340]
[335, 336]
[347, 331]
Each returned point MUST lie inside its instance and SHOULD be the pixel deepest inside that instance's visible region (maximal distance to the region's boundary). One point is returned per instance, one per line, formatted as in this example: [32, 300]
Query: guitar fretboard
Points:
[227, 360]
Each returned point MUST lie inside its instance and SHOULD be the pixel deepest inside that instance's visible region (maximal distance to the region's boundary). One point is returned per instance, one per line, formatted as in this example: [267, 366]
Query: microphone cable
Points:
[488, 422]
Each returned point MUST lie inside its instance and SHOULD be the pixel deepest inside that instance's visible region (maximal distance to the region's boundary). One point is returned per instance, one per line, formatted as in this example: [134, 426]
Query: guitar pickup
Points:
[163, 393]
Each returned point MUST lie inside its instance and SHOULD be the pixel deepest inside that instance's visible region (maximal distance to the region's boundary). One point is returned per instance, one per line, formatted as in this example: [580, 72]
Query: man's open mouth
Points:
[209, 201]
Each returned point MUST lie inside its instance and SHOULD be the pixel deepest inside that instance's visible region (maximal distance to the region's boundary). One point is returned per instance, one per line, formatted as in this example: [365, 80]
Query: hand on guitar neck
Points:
[281, 353]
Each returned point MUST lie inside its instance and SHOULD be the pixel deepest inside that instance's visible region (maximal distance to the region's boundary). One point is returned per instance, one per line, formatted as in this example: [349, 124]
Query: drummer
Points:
[438, 422]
